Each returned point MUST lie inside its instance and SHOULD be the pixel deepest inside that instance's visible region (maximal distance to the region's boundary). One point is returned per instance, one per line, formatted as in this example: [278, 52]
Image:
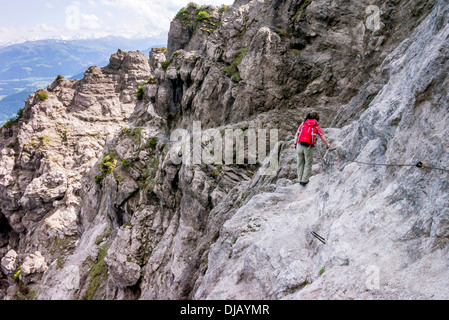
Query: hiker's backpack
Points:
[308, 133]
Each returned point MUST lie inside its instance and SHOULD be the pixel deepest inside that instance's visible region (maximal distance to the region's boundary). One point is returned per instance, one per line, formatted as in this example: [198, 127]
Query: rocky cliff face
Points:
[94, 207]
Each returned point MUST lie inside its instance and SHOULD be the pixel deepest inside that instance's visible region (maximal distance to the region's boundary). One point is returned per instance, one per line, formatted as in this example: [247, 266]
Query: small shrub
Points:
[19, 113]
[183, 14]
[322, 271]
[139, 93]
[233, 68]
[151, 80]
[42, 95]
[126, 130]
[106, 165]
[59, 78]
[167, 63]
[99, 178]
[17, 274]
[14, 120]
[126, 163]
[153, 142]
[202, 15]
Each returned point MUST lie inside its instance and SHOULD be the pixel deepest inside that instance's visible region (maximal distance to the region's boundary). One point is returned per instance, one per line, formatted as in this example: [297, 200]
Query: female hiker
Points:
[305, 140]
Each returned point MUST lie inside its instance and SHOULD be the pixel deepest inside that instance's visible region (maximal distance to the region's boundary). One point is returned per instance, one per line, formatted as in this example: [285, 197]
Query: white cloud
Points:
[90, 22]
[98, 18]
[150, 17]
[38, 32]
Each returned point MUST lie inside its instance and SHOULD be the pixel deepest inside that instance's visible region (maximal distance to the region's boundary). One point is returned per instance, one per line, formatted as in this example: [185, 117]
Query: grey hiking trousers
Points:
[305, 161]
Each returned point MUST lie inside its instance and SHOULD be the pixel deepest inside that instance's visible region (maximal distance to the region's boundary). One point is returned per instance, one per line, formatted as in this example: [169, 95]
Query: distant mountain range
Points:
[31, 65]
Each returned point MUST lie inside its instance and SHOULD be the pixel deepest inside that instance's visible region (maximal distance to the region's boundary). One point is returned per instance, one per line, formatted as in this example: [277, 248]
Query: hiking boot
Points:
[303, 183]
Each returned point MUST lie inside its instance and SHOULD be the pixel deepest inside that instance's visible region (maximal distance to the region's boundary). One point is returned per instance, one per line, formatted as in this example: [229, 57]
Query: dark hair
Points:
[312, 116]
[307, 117]
[315, 116]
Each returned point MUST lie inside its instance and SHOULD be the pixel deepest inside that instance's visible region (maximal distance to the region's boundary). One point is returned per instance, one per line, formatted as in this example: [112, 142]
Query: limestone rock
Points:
[33, 263]
[157, 57]
[121, 263]
[9, 262]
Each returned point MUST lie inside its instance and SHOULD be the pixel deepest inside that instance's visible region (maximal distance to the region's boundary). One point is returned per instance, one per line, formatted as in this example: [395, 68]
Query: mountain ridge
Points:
[32, 65]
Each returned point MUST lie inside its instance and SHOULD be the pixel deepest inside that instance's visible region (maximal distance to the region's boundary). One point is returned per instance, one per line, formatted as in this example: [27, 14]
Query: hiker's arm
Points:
[325, 141]
[296, 138]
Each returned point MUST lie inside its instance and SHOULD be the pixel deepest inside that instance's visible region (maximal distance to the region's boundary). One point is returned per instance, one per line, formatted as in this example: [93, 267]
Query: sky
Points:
[26, 20]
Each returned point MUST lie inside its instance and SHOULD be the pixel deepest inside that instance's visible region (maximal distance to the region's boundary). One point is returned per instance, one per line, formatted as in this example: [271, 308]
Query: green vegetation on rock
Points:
[98, 272]
[202, 15]
[14, 120]
[232, 70]
[107, 165]
[42, 94]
